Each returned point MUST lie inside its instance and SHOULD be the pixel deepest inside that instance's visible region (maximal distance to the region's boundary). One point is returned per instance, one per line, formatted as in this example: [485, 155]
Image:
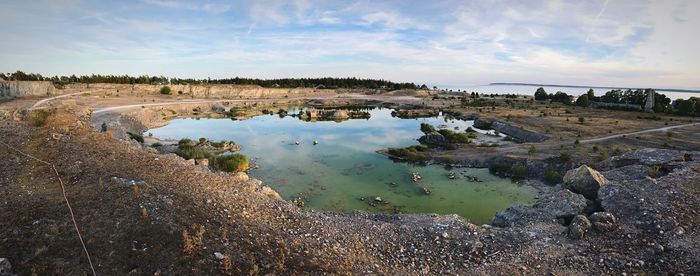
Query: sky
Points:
[629, 43]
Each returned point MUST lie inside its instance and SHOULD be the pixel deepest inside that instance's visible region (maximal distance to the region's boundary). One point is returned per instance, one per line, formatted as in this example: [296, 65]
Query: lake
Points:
[343, 172]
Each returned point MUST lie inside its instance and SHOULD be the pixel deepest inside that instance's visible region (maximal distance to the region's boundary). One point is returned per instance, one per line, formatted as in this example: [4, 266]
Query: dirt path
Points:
[43, 101]
[637, 132]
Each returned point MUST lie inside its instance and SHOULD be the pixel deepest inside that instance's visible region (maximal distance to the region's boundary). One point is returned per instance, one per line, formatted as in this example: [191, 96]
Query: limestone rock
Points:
[190, 162]
[579, 227]
[604, 221]
[585, 181]
[562, 203]
[555, 205]
[649, 157]
[202, 162]
[433, 138]
[270, 192]
[241, 177]
[482, 123]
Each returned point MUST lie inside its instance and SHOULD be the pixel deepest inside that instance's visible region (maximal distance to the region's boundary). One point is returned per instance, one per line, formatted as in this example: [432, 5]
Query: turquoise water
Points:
[344, 168]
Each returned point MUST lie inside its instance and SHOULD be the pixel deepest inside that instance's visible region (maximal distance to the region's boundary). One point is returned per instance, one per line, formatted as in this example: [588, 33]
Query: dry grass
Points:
[192, 242]
[226, 265]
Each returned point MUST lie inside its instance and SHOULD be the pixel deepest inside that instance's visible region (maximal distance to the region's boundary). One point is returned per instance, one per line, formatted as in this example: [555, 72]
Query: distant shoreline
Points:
[593, 87]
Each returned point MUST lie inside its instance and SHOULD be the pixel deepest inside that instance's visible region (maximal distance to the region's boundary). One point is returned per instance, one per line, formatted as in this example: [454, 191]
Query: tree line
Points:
[330, 83]
[620, 99]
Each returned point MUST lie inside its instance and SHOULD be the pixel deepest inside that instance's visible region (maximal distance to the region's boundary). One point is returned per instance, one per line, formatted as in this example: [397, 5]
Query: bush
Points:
[165, 90]
[103, 127]
[553, 177]
[135, 136]
[185, 143]
[426, 128]
[202, 140]
[532, 150]
[518, 171]
[564, 157]
[655, 171]
[455, 137]
[38, 117]
[156, 145]
[231, 162]
[412, 153]
[219, 144]
[581, 120]
[192, 153]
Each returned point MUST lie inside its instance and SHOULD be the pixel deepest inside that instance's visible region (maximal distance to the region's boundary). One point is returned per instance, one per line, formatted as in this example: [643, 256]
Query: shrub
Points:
[103, 127]
[426, 128]
[595, 148]
[412, 153]
[165, 90]
[518, 171]
[192, 153]
[455, 137]
[202, 140]
[655, 171]
[564, 157]
[553, 177]
[135, 136]
[38, 117]
[581, 120]
[185, 143]
[218, 144]
[156, 145]
[532, 150]
[231, 162]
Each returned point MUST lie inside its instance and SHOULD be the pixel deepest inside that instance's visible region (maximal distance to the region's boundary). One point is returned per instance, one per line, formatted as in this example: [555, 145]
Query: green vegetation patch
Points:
[230, 162]
[135, 136]
[412, 153]
[38, 117]
[456, 137]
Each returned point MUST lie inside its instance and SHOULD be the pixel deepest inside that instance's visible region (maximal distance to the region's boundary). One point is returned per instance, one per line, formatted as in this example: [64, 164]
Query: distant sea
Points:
[529, 89]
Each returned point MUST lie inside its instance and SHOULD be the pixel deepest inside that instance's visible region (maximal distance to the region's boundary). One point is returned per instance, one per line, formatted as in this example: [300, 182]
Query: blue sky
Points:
[446, 43]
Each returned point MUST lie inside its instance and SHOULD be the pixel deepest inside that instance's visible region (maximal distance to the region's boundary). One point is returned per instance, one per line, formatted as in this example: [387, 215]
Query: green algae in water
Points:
[343, 172]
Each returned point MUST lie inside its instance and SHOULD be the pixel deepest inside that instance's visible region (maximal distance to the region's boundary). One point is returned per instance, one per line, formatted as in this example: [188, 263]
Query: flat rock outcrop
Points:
[585, 181]
[433, 138]
[551, 206]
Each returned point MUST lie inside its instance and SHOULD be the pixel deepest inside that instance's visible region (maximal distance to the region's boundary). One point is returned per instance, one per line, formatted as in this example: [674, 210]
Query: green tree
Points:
[541, 95]
[532, 150]
[590, 94]
[426, 128]
[583, 100]
[165, 90]
[685, 107]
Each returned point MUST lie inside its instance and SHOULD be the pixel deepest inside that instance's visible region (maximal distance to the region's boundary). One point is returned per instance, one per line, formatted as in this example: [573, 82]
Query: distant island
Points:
[596, 87]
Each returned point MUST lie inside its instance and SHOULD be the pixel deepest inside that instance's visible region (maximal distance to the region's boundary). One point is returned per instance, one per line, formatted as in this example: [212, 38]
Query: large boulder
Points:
[433, 138]
[603, 221]
[482, 123]
[579, 227]
[551, 206]
[585, 181]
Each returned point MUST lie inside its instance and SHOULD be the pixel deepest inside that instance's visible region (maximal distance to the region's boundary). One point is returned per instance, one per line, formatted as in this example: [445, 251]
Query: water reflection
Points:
[343, 172]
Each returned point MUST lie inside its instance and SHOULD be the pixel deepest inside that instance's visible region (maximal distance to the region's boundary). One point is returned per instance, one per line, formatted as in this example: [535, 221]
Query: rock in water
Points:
[604, 221]
[433, 138]
[585, 181]
[579, 227]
